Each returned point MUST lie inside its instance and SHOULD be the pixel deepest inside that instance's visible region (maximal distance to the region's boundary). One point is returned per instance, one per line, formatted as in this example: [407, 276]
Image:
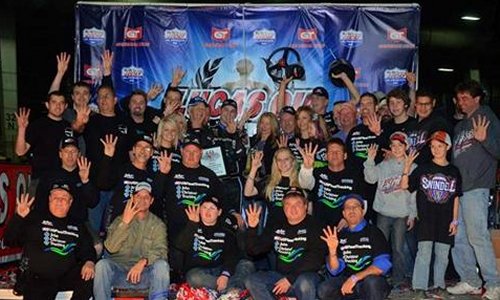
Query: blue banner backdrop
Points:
[225, 49]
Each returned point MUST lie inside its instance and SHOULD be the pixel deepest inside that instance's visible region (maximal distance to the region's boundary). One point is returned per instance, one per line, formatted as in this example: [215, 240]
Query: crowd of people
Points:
[354, 202]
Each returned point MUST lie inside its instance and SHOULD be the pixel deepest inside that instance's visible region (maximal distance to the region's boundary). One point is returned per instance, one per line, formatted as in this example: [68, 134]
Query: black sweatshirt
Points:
[298, 248]
[209, 247]
[52, 245]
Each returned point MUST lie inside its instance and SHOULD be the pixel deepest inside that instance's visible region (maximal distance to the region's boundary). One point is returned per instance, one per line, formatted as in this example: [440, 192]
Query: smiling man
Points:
[358, 257]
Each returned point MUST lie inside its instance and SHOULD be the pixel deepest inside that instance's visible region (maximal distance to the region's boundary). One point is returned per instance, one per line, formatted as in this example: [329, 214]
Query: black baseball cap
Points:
[288, 109]
[191, 141]
[320, 91]
[144, 138]
[213, 200]
[294, 191]
[68, 141]
[61, 185]
[230, 102]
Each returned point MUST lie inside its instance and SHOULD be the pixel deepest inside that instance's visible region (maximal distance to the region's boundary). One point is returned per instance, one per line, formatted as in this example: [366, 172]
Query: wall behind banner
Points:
[225, 50]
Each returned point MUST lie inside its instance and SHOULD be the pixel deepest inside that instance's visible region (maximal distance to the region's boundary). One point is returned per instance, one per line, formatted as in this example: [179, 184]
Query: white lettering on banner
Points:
[4, 205]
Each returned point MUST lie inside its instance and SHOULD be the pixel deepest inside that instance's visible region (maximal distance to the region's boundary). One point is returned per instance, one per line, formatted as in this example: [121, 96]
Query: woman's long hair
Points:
[276, 176]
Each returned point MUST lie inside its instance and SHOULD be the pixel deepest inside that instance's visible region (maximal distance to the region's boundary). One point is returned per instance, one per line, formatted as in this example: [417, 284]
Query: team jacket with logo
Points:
[298, 248]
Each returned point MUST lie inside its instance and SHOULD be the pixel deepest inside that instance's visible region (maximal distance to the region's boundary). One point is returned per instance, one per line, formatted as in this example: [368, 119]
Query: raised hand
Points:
[253, 215]
[257, 160]
[231, 126]
[411, 78]
[22, 117]
[193, 213]
[308, 153]
[331, 239]
[285, 81]
[155, 89]
[372, 151]
[246, 116]
[409, 159]
[82, 114]
[107, 62]
[283, 141]
[23, 205]
[373, 123]
[177, 77]
[480, 128]
[165, 162]
[130, 211]
[63, 62]
[109, 144]
[83, 169]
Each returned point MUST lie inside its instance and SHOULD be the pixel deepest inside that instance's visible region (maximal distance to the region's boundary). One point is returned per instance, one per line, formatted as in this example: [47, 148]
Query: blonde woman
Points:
[168, 137]
[284, 174]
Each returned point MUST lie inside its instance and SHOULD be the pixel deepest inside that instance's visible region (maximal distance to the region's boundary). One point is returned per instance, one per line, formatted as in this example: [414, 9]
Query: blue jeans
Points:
[423, 261]
[261, 284]
[109, 274]
[97, 214]
[370, 288]
[394, 230]
[473, 241]
[207, 277]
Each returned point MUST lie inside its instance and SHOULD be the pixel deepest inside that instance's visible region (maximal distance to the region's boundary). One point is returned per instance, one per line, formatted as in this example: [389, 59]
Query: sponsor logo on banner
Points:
[264, 36]
[132, 34]
[351, 38]
[132, 74]
[93, 36]
[307, 35]
[397, 36]
[221, 34]
[92, 72]
[398, 39]
[175, 36]
[395, 77]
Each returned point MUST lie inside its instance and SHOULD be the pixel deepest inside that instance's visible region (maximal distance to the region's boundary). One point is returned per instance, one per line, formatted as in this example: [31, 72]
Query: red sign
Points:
[14, 180]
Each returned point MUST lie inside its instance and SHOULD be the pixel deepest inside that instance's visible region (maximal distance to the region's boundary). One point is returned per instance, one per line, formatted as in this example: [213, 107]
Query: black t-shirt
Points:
[209, 246]
[436, 186]
[184, 187]
[390, 127]
[147, 127]
[274, 204]
[359, 249]
[268, 147]
[97, 128]
[298, 247]
[154, 164]
[420, 135]
[320, 156]
[44, 135]
[329, 190]
[357, 142]
[330, 123]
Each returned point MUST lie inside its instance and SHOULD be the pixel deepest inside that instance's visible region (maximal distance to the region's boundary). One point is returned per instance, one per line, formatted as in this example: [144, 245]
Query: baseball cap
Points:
[399, 136]
[294, 191]
[142, 186]
[214, 200]
[230, 102]
[196, 100]
[288, 109]
[441, 136]
[192, 141]
[68, 141]
[61, 185]
[320, 91]
[355, 197]
[379, 95]
[145, 138]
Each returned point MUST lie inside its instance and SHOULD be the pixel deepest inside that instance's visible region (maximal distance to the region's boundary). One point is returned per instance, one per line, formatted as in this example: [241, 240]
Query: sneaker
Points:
[419, 295]
[439, 293]
[463, 288]
[492, 293]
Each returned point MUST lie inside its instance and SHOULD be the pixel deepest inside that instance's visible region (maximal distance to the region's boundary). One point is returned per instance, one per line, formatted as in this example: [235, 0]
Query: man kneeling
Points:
[137, 243]
[358, 257]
